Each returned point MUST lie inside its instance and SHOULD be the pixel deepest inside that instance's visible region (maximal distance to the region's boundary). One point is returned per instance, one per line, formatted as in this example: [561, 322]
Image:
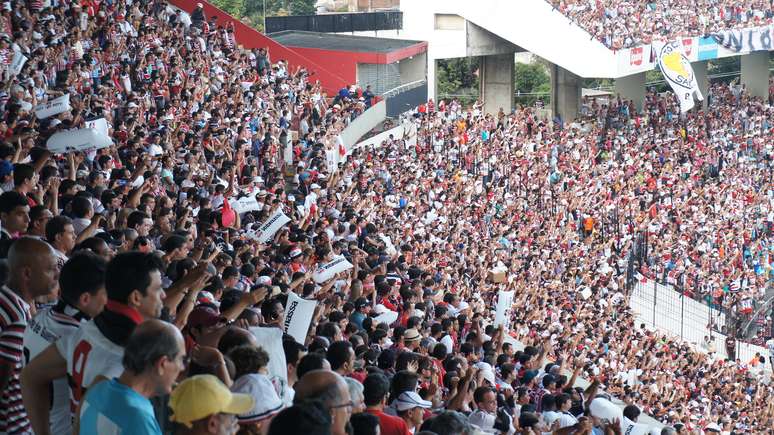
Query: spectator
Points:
[308, 417]
[411, 408]
[154, 357]
[330, 389]
[203, 405]
[33, 274]
[375, 390]
[134, 295]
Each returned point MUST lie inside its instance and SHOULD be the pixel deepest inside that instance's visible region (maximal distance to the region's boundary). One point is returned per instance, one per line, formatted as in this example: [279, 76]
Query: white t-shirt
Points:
[45, 328]
[89, 354]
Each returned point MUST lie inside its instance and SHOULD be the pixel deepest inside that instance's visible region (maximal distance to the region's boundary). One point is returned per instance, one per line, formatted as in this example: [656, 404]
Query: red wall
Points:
[248, 37]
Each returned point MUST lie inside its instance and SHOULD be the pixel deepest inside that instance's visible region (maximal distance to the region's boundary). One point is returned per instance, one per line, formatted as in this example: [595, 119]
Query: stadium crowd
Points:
[135, 292]
[623, 24]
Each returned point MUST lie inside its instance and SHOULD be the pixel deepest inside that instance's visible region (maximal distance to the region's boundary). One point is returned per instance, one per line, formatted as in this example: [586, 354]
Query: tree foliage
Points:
[534, 80]
[458, 77]
[251, 11]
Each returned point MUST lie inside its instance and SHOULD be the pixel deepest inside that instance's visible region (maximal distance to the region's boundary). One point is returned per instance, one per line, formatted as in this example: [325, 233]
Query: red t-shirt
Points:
[390, 425]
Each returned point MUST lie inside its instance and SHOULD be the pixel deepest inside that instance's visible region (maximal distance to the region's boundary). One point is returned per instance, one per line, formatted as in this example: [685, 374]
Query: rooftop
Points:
[336, 42]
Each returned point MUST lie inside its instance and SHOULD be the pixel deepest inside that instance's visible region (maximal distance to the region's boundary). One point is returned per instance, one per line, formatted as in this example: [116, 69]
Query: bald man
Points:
[32, 273]
[330, 388]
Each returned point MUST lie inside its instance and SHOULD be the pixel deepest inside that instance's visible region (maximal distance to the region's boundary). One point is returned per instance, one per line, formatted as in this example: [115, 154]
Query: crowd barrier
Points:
[661, 307]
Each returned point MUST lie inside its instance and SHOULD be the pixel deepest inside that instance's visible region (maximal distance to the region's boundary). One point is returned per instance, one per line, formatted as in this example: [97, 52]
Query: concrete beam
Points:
[700, 70]
[565, 93]
[481, 42]
[497, 82]
[632, 88]
[755, 73]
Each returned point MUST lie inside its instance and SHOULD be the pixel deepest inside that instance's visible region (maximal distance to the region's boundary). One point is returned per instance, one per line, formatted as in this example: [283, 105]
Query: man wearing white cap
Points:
[411, 408]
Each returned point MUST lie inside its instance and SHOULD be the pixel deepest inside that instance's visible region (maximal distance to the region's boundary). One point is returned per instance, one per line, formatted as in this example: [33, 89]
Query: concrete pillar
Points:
[432, 82]
[700, 70]
[632, 88]
[565, 93]
[497, 82]
[755, 73]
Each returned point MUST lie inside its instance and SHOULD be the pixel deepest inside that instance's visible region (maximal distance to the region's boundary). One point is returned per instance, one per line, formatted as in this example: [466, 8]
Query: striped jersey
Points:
[45, 328]
[14, 316]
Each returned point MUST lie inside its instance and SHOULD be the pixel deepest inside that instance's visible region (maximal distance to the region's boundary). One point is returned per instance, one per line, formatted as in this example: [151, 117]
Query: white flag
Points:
[678, 72]
[504, 302]
[298, 317]
[328, 270]
[268, 229]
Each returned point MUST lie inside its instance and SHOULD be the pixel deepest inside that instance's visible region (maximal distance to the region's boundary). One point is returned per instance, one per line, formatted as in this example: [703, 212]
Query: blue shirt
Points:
[111, 407]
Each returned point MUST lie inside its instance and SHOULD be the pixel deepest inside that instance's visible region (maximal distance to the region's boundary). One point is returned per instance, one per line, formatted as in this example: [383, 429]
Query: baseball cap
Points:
[266, 401]
[361, 302]
[203, 395]
[528, 376]
[203, 316]
[410, 400]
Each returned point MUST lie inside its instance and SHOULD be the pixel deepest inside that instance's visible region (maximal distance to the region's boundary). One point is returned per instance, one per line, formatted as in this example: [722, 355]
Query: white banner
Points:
[99, 124]
[502, 312]
[245, 204]
[268, 229]
[53, 107]
[17, 63]
[327, 271]
[677, 70]
[270, 340]
[745, 40]
[298, 317]
[84, 139]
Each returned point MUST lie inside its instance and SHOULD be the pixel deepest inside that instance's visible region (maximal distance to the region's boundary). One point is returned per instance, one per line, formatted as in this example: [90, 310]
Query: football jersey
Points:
[89, 354]
[45, 328]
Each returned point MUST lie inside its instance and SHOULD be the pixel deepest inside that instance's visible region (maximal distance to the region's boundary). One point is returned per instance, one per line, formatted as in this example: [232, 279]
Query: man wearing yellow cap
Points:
[203, 405]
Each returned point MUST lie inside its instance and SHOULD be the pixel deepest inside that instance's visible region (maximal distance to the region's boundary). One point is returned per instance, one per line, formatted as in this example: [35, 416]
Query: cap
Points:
[361, 302]
[207, 298]
[203, 317]
[203, 395]
[411, 335]
[410, 400]
[264, 280]
[295, 253]
[712, 427]
[266, 401]
[528, 376]
[314, 186]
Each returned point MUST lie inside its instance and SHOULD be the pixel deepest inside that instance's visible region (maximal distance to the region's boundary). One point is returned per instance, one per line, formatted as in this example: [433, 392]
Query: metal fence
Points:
[337, 23]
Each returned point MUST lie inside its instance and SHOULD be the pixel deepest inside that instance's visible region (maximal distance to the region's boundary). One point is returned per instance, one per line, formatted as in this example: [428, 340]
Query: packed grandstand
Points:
[623, 24]
[226, 264]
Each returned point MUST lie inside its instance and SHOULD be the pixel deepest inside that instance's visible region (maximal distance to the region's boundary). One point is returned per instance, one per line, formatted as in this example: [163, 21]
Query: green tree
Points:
[458, 78]
[235, 8]
[302, 7]
[532, 79]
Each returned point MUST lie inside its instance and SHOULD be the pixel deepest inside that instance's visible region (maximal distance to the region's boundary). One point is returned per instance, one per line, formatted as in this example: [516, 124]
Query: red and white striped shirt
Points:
[14, 315]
